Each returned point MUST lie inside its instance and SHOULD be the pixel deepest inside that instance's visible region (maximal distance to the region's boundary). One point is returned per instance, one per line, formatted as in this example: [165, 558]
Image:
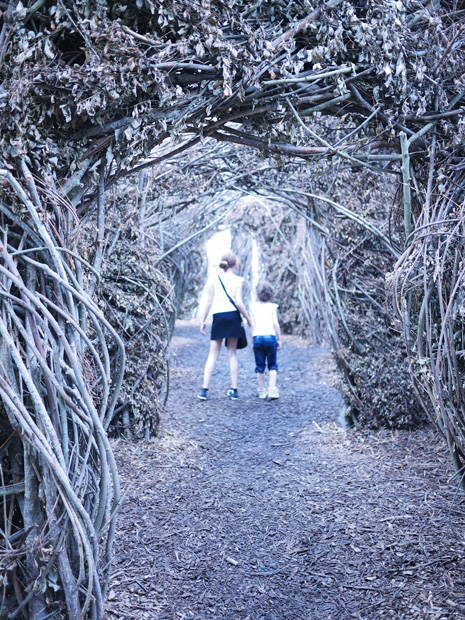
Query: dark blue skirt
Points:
[226, 325]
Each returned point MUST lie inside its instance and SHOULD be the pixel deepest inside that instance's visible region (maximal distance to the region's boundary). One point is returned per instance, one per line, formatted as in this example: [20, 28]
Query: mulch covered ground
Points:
[256, 510]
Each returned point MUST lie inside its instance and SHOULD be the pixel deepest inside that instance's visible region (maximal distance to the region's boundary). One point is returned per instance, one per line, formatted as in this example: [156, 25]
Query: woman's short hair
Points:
[228, 260]
[264, 291]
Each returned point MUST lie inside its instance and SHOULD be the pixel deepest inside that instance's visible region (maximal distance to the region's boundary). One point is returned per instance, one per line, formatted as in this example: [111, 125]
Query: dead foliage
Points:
[90, 92]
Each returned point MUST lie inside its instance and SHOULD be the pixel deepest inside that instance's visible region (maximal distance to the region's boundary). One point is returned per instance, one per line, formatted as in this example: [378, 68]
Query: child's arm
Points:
[276, 327]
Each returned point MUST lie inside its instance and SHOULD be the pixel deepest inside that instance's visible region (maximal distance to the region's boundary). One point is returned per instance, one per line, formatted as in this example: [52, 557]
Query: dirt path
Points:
[255, 510]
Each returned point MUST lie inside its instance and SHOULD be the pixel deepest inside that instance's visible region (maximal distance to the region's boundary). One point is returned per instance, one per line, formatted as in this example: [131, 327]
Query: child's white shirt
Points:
[263, 312]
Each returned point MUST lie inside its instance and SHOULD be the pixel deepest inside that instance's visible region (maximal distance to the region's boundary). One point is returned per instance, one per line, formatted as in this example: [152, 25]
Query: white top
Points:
[232, 284]
[263, 312]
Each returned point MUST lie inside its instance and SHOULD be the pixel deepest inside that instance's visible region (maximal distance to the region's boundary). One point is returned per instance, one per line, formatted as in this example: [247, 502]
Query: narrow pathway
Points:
[256, 510]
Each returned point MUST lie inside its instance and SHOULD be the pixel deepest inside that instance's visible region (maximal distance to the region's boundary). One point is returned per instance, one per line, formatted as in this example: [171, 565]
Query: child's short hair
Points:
[264, 291]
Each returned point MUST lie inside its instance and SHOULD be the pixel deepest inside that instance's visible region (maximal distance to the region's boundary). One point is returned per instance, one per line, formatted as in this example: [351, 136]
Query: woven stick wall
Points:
[88, 90]
[58, 387]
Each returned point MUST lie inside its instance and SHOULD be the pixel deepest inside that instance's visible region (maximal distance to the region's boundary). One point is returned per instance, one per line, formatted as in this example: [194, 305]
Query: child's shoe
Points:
[261, 394]
[232, 393]
[203, 394]
[273, 393]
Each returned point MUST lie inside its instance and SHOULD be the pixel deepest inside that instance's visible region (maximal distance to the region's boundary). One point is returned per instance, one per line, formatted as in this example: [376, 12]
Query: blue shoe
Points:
[232, 393]
[203, 394]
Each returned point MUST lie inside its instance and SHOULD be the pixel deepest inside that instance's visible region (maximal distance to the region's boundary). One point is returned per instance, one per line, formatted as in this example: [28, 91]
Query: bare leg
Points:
[233, 365]
[215, 348]
[273, 376]
[261, 381]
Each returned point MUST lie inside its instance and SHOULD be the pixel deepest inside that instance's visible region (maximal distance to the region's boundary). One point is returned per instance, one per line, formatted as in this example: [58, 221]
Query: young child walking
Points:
[266, 339]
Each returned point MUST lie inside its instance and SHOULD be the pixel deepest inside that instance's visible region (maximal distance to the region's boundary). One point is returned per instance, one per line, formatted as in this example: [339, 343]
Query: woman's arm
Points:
[253, 322]
[240, 305]
[206, 310]
[276, 327]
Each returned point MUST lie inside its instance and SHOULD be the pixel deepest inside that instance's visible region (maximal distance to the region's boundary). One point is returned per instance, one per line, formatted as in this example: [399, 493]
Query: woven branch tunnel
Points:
[93, 93]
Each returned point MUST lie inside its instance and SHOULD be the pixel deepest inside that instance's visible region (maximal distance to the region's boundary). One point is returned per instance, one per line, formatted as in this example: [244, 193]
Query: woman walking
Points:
[224, 299]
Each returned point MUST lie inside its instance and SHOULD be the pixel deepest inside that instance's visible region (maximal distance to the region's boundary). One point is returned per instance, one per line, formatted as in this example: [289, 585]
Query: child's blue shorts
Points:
[265, 348]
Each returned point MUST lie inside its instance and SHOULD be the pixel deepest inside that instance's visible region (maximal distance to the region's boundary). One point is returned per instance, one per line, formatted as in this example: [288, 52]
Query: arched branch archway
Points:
[88, 90]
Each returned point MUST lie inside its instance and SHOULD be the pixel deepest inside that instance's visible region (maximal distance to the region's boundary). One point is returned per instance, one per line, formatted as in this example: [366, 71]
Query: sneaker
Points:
[232, 393]
[273, 393]
[261, 394]
[203, 394]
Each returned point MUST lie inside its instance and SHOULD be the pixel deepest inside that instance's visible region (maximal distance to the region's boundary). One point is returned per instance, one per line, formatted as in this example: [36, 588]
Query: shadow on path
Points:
[255, 510]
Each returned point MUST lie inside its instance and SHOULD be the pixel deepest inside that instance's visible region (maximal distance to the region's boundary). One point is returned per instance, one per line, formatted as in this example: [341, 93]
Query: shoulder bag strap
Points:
[228, 295]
